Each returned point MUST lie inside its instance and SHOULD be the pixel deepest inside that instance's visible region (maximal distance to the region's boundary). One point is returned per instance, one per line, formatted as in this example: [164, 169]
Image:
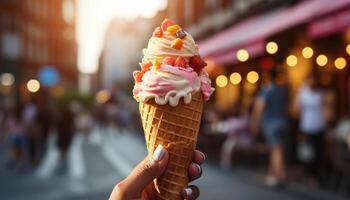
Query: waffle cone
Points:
[175, 128]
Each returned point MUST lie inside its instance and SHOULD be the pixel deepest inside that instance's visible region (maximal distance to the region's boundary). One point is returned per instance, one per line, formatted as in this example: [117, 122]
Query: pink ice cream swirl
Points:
[167, 84]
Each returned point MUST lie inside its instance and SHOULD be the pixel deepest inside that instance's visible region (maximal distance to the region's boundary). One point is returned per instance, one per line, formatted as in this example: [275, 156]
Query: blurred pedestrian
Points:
[236, 126]
[271, 112]
[16, 138]
[30, 116]
[312, 124]
[84, 122]
[65, 130]
[45, 119]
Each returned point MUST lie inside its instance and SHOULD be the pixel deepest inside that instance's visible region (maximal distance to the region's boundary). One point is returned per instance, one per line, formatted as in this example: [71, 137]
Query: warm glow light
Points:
[348, 49]
[7, 79]
[221, 81]
[242, 55]
[307, 52]
[235, 78]
[340, 63]
[252, 77]
[271, 47]
[322, 60]
[58, 91]
[292, 60]
[33, 85]
[93, 18]
[103, 96]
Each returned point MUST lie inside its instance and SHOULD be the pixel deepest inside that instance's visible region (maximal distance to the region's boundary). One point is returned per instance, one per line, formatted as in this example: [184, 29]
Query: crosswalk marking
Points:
[76, 165]
[50, 159]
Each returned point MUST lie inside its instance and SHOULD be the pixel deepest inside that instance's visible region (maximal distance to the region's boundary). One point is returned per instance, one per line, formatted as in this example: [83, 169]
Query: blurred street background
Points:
[277, 126]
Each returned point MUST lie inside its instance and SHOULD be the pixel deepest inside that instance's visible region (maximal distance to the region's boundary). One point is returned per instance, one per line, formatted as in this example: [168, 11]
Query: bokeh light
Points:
[221, 81]
[242, 55]
[340, 63]
[235, 78]
[307, 52]
[322, 60]
[292, 60]
[271, 47]
[33, 85]
[103, 96]
[252, 77]
[7, 79]
[348, 49]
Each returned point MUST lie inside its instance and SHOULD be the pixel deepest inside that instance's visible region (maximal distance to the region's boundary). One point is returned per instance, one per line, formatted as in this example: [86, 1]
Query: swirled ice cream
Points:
[171, 68]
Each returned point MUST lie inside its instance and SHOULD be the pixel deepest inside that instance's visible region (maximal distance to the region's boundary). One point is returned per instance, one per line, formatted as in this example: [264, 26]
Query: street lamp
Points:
[271, 47]
[252, 77]
[33, 85]
[7, 79]
[348, 49]
[340, 63]
[221, 81]
[307, 52]
[242, 55]
[322, 60]
[235, 78]
[292, 60]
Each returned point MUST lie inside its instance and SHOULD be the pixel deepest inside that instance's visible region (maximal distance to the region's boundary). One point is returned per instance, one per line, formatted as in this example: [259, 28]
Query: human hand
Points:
[139, 184]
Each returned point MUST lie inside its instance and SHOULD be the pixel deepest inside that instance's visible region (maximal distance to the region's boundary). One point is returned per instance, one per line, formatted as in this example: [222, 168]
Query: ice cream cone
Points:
[175, 128]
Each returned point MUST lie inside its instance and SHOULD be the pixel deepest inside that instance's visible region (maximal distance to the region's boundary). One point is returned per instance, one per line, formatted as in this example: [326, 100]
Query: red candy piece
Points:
[180, 62]
[138, 76]
[169, 61]
[145, 66]
[158, 32]
[197, 63]
[166, 23]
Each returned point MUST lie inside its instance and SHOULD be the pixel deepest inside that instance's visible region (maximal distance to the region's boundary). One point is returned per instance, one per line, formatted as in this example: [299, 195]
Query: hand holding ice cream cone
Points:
[171, 88]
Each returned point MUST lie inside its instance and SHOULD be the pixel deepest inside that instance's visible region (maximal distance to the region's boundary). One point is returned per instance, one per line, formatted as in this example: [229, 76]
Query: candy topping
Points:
[156, 64]
[173, 29]
[177, 44]
[158, 32]
[169, 61]
[166, 23]
[180, 62]
[181, 33]
[197, 63]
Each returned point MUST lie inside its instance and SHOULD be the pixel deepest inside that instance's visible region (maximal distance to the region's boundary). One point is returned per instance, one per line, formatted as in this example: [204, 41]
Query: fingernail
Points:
[199, 168]
[202, 155]
[188, 192]
[158, 153]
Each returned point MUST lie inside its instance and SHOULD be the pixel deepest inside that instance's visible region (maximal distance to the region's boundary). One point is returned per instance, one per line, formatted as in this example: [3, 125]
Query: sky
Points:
[93, 17]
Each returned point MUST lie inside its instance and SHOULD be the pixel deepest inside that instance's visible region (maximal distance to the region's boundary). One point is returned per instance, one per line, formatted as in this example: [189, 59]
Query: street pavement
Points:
[96, 162]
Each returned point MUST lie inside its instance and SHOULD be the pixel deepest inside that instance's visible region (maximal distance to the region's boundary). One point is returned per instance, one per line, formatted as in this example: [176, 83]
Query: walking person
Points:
[65, 129]
[15, 132]
[310, 103]
[271, 112]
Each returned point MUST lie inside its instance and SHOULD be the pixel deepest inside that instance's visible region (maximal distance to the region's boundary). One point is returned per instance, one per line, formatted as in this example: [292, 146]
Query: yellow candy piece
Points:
[177, 44]
[156, 63]
[173, 29]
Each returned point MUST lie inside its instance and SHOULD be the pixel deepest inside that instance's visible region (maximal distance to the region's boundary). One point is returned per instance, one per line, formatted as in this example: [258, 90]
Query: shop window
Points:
[11, 45]
[68, 11]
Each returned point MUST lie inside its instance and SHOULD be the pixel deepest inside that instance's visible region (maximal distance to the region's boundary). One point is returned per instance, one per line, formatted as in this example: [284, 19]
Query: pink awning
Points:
[329, 25]
[254, 50]
[260, 27]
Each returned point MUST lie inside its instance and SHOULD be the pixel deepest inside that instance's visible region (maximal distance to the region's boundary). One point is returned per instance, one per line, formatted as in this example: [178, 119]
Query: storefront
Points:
[308, 36]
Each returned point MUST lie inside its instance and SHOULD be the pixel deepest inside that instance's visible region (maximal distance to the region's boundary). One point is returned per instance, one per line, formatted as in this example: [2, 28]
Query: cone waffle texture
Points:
[175, 128]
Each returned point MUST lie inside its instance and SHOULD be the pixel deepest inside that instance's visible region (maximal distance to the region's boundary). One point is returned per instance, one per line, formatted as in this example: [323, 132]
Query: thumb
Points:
[147, 170]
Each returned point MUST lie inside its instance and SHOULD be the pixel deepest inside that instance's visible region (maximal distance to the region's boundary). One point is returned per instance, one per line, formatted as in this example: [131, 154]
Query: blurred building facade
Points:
[122, 50]
[37, 33]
